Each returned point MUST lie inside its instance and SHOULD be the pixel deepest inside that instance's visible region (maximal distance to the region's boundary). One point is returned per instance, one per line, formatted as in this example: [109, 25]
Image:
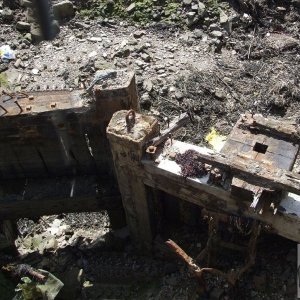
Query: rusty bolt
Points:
[28, 107]
[31, 97]
[53, 105]
[151, 149]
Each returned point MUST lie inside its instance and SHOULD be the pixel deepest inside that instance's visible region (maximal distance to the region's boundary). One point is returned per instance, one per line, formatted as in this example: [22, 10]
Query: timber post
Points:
[128, 133]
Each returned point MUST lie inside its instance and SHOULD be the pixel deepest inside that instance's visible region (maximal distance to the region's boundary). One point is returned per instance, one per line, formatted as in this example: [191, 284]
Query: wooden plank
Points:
[254, 172]
[286, 130]
[37, 197]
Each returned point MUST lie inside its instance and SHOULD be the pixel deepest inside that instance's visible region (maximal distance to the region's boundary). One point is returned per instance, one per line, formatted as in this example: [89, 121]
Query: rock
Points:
[201, 9]
[102, 64]
[223, 17]
[216, 33]
[214, 26]
[179, 96]
[192, 18]
[146, 57]
[7, 15]
[3, 67]
[125, 52]
[187, 2]
[28, 37]
[18, 63]
[131, 8]
[92, 54]
[63, 9]
[23, 26]
[172, 89]
[198, 33]
[51, 244]
[281, 42]
[95, 39]
[219, 94]
[35, 71]
[145, 102]
[26, 3]
[82, 25]
[138, 34]
[148, 85]
[195, 7]
[110, 6]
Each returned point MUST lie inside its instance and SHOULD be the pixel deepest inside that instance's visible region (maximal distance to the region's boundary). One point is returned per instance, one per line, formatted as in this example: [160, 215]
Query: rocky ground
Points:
[214, 59]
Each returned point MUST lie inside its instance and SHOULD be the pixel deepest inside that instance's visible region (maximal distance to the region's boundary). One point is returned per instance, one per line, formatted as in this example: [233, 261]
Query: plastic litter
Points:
[6, 53]
[216, 140]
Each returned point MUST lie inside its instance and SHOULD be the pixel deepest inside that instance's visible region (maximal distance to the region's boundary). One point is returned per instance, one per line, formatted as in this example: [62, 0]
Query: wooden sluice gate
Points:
[272, 189]
[62, 152]
[54, 154]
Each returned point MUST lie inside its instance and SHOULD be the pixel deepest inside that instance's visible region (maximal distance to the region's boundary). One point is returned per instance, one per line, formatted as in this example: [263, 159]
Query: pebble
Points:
[35, 71]
[18, 63]
[95, 39]
[138, 34]
[92, 54]
[217, 34]
[131, 8]
[145, 57]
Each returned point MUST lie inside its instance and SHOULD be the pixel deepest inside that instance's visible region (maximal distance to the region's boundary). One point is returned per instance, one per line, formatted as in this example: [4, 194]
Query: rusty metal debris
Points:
[194, 268]
[173, 127]
[130, 119]
[213, 243]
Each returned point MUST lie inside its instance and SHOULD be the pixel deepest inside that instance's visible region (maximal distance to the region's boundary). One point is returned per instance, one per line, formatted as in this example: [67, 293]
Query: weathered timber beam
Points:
[166, 177]
[32, 198]
[254, 172]
[286, 130]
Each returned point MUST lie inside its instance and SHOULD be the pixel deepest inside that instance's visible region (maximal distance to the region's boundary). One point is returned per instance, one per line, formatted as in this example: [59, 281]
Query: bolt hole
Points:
[260, 148]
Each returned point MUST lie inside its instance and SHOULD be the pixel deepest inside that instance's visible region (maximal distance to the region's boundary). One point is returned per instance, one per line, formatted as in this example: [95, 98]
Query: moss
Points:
[3, 80]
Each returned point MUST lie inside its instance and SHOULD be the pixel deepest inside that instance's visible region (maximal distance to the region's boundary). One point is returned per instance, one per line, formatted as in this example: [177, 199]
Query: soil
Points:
[252, 67]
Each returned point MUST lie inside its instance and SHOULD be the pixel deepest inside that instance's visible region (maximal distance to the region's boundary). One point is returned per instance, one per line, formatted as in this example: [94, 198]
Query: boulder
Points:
[63, 9]
[23, 26]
